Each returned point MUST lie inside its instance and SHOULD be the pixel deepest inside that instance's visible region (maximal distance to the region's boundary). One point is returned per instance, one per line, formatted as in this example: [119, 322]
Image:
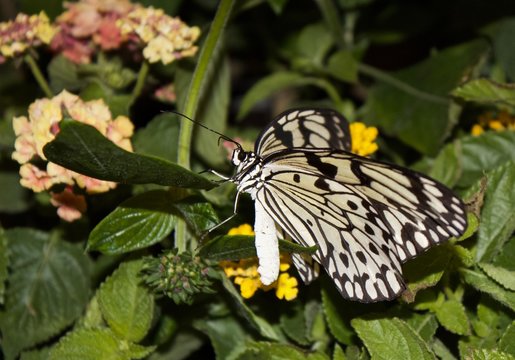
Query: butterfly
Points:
[365, 217]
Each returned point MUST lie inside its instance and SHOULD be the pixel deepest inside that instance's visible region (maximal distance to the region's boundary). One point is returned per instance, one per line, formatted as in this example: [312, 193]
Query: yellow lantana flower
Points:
[363, 138]
[500, 121]
[246, 275]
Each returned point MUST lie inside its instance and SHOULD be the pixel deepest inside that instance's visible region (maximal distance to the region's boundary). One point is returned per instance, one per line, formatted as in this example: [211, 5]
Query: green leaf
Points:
[275, 351]
[235, 247]
[446, 166]
[48, 288]
[502, 34]
[277, 5]
[227, 336]
[338, 353]
[441, 351]
[126, 303]
[270, 84]
[501, 275]
[213, 112]
[4, 264]
[293, 323]
[63, 75]
[337, 319]
[260, 324]
[93, 344]
[313, 44]
[426, 270]
[118, 104]
[15, 200]
[139, 222]
[343, 66]
[498, 213]
[505, 257]
[487, 354]
[507, 341]
[451, 314]
[200, 216]
[391, 339]
[155, 138]
[483, 153]
[424, 324]
[486, 91]
[482, 283]
[413, 106]
[81, 148]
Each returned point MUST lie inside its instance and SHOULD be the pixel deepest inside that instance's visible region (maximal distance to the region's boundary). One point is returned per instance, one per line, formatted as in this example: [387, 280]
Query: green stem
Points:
[140, 81]
[401, 85]
[29, 60]
[198, 82]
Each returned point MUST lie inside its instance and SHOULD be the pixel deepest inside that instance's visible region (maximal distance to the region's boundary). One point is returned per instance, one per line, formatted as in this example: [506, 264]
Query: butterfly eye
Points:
[241, 156]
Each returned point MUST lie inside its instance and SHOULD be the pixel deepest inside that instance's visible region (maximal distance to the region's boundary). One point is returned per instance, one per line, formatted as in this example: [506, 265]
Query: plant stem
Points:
[198, 83]
[34, 68]
[140, 81]
[401, 85]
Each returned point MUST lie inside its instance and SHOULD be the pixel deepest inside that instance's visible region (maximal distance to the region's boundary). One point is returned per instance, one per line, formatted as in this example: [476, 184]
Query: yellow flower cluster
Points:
[24, 32]
[247, 277]
[501, 121]
[42, 125]
[166, 38]
[363, 139]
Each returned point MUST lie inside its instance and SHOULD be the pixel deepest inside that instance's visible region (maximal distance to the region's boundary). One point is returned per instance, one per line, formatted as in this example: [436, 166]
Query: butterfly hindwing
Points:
[366, 217]
[304, 128]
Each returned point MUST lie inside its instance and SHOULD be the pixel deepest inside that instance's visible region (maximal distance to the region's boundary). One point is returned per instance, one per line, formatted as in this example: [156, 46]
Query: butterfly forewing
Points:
[305, 128]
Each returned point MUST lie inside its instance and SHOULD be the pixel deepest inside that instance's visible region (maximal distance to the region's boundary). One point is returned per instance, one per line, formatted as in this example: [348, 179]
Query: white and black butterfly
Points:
[366, 217]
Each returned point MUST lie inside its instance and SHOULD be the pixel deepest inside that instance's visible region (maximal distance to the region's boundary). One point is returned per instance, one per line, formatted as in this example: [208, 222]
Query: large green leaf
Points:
[507, 341]
[413, 106]
[93, 344]
[501, 275]
[126, 303]
[81, 148]
[498, 213]
[337, 317]
[502, 34]
[391, 339]
[147, 219]
[452, 315]
[276, 351]
[48, 288]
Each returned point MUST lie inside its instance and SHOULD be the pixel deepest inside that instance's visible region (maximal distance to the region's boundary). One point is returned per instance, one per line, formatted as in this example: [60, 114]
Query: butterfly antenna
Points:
[221, 136]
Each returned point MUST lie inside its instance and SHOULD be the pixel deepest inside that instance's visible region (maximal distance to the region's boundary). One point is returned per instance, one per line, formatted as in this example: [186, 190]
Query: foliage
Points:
[149, 284]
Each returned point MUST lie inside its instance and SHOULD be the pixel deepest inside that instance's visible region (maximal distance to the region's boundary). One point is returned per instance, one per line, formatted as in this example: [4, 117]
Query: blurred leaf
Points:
[43, 354]
[423, 324]
[235, 247]
[487, 354]
[276, 351]
[4, 263]
[227, 336]
[480, 154]
[63, 75]
[16, 199]
[46, 274]
[256, 321]
[416, 110]
[426, 270]
[391, 339]
[441, 351]
[337, 319]
[482, 283]
[213, 112]
[270, 84]
[502, 34]
[446, 167]
[486, 91]
[82, 148]
[502, 276]
[139, 222]
[338, 353]
[277, 5]
[118, 104]
[313, 44]
[505, 257]
[507, 341]
[159, 137]
[451, 314]
[181, 346]
[498, 213]
[293, 323]
[93, 344]
[343, 66]
[126, 303]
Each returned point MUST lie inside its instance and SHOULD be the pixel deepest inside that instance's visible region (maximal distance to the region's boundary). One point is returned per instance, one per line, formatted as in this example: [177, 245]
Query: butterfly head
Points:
[243, 160]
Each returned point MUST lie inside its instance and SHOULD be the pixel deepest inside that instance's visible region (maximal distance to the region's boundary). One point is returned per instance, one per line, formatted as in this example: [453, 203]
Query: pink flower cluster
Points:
[41, 126]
